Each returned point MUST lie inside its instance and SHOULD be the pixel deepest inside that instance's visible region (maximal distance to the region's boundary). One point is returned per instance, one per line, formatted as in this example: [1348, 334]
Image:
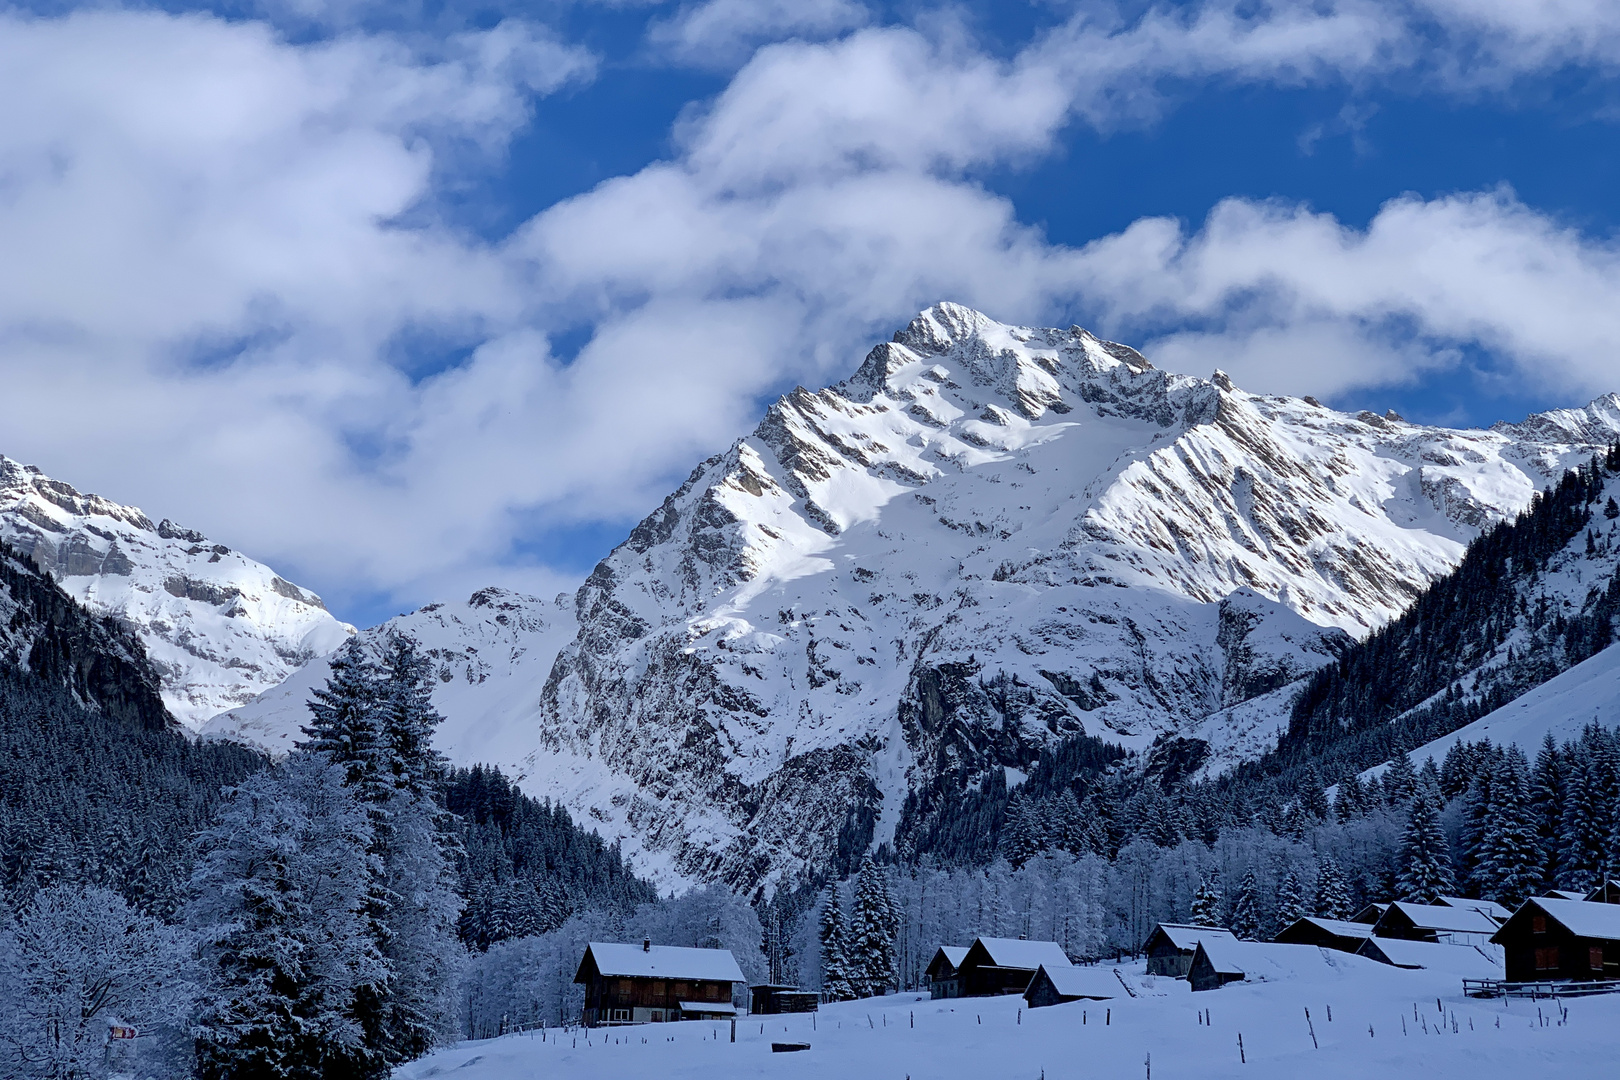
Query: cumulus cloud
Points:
[222, 258]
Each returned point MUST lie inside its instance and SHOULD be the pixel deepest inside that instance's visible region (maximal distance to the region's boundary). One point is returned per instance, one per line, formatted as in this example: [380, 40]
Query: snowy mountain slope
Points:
[493, 653]
[1587, 693]
[218, 626]
[988, 538]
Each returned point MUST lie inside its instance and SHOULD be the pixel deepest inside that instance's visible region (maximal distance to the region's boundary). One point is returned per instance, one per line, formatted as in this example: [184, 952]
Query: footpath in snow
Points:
[1385, 1022]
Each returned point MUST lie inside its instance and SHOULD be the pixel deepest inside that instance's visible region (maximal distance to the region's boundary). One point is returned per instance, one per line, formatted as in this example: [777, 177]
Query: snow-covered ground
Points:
[1560, 707]
[1385, 1023]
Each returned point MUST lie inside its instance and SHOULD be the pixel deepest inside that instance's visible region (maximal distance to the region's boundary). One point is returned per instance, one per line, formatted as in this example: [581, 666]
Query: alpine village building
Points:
[1171, 946]
[943, 978]
[1549, 939]
[647, 983]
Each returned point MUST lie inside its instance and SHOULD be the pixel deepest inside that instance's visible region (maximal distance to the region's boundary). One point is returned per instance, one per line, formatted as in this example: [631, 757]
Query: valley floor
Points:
[907, 1036]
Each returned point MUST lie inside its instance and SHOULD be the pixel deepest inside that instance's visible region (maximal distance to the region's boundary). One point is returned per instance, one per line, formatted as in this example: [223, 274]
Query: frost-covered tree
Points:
[1206, 905]
[1332, 899]
[836, 982]
[1246, 917]
[1547, 805]
[77, 961]
[1424, 867]
[279, 899]
[1290, 900]
[1351, 801]
[1021, 835]
[873, 926]
[1399, 782]
[1509, 857]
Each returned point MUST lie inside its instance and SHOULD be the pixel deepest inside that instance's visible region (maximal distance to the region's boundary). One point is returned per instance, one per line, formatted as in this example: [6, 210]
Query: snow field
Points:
[904, 1035]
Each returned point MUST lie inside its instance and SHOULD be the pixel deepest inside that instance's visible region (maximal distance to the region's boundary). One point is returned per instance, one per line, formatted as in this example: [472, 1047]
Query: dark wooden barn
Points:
[768, 999]
[1436, 923]
[1561, 939]
[1171, 946]
[1005, 965]
[1370, 914]
[647, 983]
[1337, 934]
[1606, 893]
[943, 978]
[1055, 986]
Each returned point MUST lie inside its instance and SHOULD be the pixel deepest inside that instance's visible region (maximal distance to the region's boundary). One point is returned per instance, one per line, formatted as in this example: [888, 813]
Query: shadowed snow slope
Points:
[975, 1038]
[987, 539]
[218, 627]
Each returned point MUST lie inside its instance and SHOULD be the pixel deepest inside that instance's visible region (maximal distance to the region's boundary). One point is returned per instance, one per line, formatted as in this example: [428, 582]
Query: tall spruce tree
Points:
[1206, 903]
[1290, 901]
[1246, 918]
[1509, 863]
[1547, 806]
[1425, 867]
[836, 984]
[874, 925]
[1332, 900]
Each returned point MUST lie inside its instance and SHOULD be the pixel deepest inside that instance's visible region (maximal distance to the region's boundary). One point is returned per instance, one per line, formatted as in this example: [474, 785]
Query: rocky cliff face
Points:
[218, 627]
[989, 538]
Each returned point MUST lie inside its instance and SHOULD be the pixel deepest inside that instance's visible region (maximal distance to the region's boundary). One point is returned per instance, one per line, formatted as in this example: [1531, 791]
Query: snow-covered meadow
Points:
[1368, 1020]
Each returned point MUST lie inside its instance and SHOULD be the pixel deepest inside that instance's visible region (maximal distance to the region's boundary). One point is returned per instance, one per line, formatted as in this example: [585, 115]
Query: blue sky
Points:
[406, 299]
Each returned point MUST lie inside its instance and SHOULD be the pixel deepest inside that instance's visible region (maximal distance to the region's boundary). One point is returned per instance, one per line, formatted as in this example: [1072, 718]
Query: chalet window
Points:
[1594, 957]
[683, 990]
[620, 1014]
[1547, 959]
[711, 992]
[1538, 924]
[624, 986]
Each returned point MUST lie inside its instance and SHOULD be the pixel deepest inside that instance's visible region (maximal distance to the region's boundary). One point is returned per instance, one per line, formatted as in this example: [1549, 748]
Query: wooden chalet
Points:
[1171, 946]
[1057, 985]
[943, 980]
[1221, 960]
[1469, 961]
[1435, 923]
[1563, 940]
[1337, 934]
[995, 966]
[770, 999]
[647, 983]
[1606, 893]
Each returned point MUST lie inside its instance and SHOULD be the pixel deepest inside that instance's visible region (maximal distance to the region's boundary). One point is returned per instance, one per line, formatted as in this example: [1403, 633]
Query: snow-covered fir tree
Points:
[1206, 904]
[1246, 917]
[1021, 835]
[836, 981]
[873, 926]
[1332, 900]
[1509, 865]
[1424, 870]
[1290, 900]
[279, 899]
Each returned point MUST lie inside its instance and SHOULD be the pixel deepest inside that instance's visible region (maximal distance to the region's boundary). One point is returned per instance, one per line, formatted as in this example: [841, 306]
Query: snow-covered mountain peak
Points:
[219, 627]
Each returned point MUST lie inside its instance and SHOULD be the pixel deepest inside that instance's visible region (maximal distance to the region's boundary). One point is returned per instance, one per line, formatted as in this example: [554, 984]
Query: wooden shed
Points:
[1171, 946]
[1219, 961]
[647, 983]
[1436, 923]
[1006, 965]
[1606, 893]
[1337, 934]
[1370, 914]
[1489, 908]
[1054, 986]
[769, 999]
[1468, 961]
[943, 979]
[1561, 939]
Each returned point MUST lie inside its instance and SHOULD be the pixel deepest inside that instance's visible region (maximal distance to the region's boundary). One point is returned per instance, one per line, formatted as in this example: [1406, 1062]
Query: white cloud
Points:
[213, 236]
[721, 33]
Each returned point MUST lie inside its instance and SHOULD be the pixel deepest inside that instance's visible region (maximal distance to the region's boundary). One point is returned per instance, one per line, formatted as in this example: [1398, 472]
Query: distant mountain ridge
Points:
[217, 626]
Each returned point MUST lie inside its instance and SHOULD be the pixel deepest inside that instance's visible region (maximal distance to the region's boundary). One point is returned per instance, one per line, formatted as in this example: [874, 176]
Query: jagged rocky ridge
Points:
[989, 538]
[218, 627]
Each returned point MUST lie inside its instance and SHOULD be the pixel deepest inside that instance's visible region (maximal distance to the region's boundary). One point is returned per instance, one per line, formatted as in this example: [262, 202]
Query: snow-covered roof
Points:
[1584, 918]
[1091, 982]
[1340, 927]
[1465, 960]
[709, 1007]
[954, 954]
[1484, 907]
[1454, 920]
[664, 962]
[1564, 894]
[1017, 953]
[1187, 937]
[1259, 959]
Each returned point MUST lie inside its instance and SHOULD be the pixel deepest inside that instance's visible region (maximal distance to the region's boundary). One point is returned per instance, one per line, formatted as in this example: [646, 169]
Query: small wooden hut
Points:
[1337, 934]
[943, 979]
[1171, 946]
[769, 999]
[995, 966]
[1057, 985]
[1436, 923]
